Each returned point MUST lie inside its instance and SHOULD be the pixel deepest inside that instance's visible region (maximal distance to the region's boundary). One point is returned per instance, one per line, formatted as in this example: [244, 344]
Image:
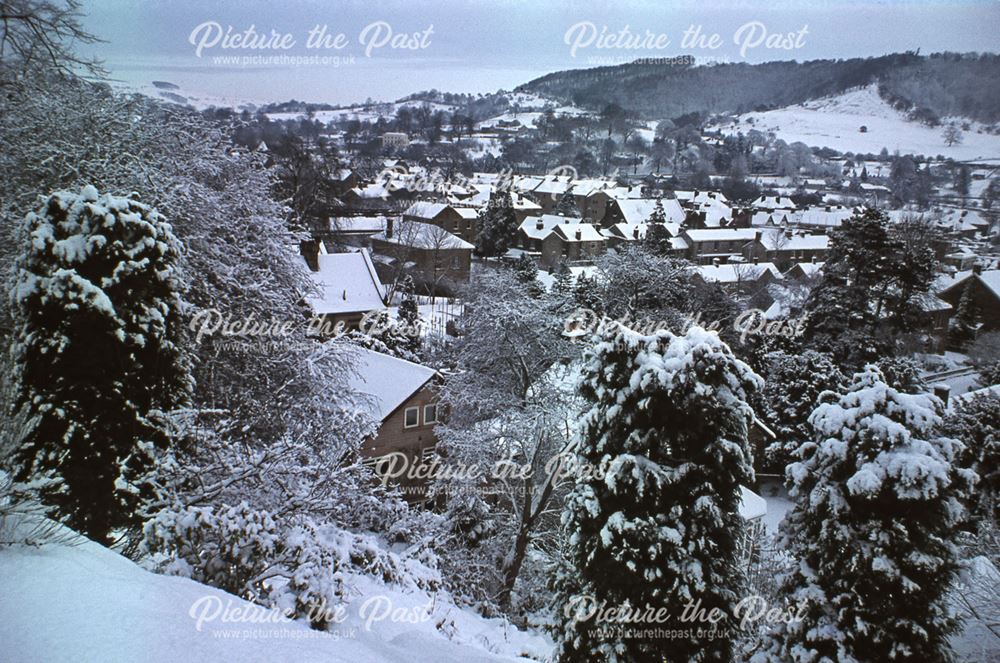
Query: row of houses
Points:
[554, 240]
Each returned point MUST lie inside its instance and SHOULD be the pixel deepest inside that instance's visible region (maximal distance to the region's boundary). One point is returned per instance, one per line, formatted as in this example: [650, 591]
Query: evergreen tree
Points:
[586, 294]
[793, 382]
[497, 225]
[657, 239]
[527, 273]
[409, 315]
[963, 326]
[97, 348]
[567, 206]
[654, 523]
[563, 284]
[844, 307]
[975, 422]
[878, 501]
[963, 179]
[657, 215]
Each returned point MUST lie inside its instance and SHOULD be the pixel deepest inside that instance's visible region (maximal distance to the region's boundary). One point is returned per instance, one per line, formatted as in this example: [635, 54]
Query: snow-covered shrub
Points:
[23, 521]
[294, 565]
[655, 522]
[879, 499]
[98, 352]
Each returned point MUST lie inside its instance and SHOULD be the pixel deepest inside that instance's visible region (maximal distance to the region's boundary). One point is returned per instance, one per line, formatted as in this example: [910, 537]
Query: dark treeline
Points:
[929, 87]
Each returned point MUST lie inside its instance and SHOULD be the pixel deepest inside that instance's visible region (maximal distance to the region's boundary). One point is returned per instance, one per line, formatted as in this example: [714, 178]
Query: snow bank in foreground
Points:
[87, 603]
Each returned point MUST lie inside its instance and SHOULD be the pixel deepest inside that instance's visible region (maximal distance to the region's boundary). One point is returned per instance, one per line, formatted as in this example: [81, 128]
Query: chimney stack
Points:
[579, 234]
[977, 268]
[756, 260]
[309, 248]
[635, 232]
[539, 225]
[943, 392]
[388, 227]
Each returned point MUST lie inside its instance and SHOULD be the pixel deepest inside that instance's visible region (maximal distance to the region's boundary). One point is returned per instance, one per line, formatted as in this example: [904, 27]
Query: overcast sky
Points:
[474, 46]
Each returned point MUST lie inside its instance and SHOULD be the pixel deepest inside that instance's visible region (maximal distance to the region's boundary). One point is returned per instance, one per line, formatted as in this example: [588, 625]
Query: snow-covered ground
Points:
[835, 122]
[87, 603]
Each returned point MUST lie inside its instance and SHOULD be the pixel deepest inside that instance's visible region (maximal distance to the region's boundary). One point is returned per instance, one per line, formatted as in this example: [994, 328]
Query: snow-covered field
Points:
[835, 122]
[86, 603]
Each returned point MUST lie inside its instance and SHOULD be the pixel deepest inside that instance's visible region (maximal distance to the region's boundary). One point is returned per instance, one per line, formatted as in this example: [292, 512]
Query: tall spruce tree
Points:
[497, 225]
[97, 346]
[657, 215]
[842, 315]
[409, 314]
[963, 326]
[878, 500]
[566, 206]
[654, 522]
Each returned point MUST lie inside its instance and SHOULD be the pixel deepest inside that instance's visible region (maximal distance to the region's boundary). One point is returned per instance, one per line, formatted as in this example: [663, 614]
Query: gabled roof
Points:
[346, 283]
[774, 202]
[423, 236]
[638, 210]
[737, 272]
[548, 222]
[587, 233]
[388, 381]
[990, 279]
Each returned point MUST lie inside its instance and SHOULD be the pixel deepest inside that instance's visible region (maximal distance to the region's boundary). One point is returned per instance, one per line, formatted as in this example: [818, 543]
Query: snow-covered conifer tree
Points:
[409, 315]
[656, 523]
[98, 315]
[497, 225]
[879, 497]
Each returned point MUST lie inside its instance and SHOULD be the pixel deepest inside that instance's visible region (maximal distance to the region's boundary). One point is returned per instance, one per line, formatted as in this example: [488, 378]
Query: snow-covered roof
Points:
[628, 231]
[809, 268]
[539, 227]
[721, 234]
[777, 241]
[578, 232]
[638, 210]
[989, 278]
[358, 224]
[774, 202]
[737, 272]
[833, 217]
[426, 210]
[346, 283]
[423, 236]
[371, 191]
[752, 505]
[389, 381]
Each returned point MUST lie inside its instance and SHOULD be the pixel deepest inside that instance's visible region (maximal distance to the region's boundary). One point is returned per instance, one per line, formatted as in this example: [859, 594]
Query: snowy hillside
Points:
[835, 122]
[86, 603]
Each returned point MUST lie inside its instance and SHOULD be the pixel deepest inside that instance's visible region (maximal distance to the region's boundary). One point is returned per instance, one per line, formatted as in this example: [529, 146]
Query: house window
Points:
[455, 262]
[430, 414]
[411, 417]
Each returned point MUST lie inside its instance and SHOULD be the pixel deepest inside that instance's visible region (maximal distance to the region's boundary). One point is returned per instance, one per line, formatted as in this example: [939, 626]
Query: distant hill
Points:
[927, 87]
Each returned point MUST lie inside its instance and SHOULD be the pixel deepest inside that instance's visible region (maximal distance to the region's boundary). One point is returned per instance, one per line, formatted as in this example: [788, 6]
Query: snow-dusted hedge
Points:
[297, 566]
